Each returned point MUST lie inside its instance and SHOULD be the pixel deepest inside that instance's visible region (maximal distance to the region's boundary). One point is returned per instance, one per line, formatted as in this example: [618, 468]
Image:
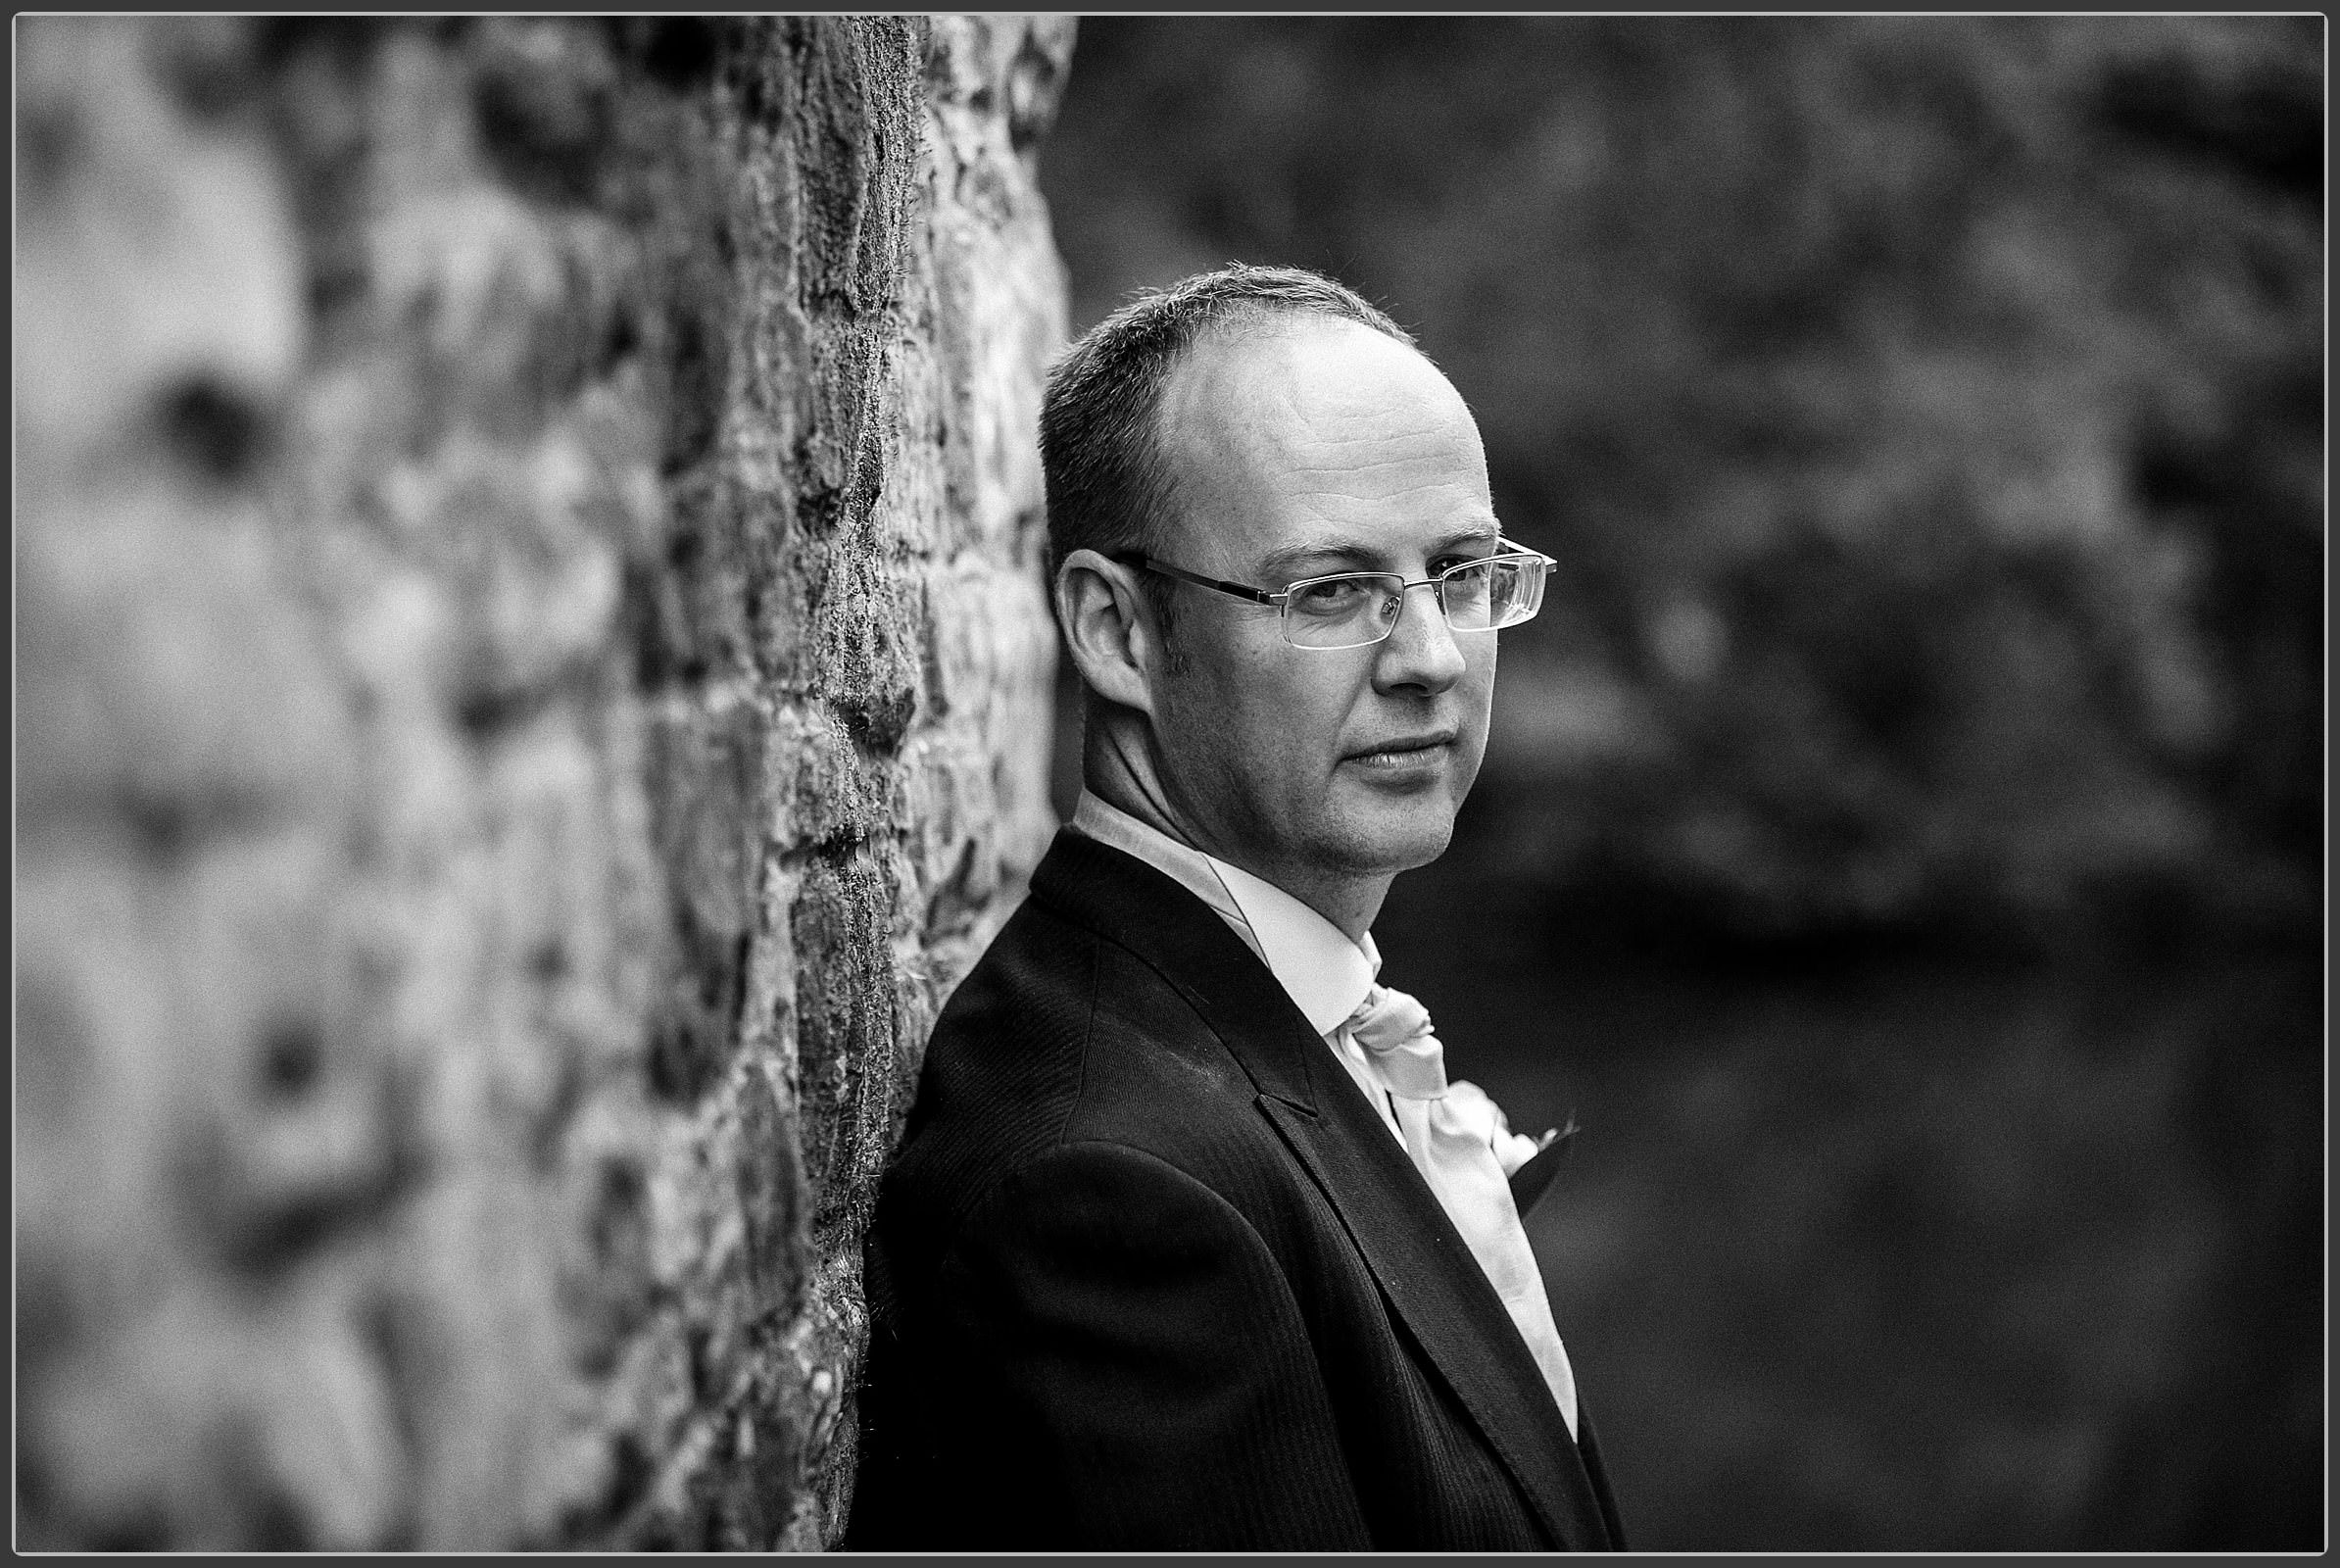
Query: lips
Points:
[1404, 750]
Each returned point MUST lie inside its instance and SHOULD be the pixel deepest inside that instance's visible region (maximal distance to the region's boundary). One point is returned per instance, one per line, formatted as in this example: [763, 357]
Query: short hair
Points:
[1108, 487]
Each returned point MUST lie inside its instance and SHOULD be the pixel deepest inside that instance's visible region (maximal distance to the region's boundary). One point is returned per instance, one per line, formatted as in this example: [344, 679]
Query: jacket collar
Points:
[1424, 1268]
[1146, 910]
[1326, 974]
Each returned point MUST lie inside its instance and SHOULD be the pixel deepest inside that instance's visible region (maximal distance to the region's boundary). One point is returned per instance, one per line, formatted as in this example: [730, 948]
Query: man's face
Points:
[1311, 447]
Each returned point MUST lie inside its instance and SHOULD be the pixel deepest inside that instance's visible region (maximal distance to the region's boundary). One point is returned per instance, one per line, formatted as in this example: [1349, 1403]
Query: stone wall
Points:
[534, 684]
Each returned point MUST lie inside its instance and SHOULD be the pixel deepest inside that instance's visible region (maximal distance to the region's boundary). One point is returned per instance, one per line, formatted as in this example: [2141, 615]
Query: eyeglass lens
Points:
[1359, 607]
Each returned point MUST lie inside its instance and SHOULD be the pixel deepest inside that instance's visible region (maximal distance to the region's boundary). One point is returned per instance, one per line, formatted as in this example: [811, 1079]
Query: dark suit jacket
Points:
[1150, 1273]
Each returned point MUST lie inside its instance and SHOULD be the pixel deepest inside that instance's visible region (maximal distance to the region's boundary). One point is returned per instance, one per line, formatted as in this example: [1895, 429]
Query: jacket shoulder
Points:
[1060, 1035]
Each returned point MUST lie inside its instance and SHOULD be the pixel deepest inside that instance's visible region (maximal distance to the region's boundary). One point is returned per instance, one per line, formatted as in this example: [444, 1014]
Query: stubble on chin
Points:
[1365, 842]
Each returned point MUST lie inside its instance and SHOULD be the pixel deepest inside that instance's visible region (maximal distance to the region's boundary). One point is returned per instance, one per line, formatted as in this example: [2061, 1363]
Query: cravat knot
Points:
[1395, 1029]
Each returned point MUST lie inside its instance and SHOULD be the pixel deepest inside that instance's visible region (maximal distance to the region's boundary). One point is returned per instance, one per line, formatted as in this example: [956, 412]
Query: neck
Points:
[1119, 767]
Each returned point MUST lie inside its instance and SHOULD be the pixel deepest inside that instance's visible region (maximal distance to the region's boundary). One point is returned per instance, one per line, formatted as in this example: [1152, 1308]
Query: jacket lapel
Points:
[1424, 1268]
[1434, 1284]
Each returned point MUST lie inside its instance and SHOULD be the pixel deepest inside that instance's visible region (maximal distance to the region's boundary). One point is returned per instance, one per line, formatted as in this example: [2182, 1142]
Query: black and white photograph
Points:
[982, 783]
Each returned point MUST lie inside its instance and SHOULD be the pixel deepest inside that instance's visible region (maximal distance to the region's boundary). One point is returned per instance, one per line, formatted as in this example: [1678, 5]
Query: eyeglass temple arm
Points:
[1260, 596]
[1257, 596]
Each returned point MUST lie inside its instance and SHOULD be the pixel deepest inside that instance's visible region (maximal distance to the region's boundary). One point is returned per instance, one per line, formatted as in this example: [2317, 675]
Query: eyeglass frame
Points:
[1282, 600]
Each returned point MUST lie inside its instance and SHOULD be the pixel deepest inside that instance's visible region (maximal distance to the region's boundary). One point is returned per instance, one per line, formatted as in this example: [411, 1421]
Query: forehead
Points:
[1305, 426]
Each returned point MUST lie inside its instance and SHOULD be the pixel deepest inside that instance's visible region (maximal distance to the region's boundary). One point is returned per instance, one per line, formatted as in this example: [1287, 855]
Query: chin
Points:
[1387, 841]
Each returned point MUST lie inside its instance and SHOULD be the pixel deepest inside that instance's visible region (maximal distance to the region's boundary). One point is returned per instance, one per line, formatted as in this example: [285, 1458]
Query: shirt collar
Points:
[1323, 973]
[1184, 865]
[1326, 973]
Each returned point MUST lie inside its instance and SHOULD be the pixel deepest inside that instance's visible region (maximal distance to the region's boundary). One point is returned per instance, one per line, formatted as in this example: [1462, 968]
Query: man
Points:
[1190, 1243]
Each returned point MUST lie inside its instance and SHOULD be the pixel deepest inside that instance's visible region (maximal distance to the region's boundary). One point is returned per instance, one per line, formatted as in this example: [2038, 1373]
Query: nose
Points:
[1420, 653]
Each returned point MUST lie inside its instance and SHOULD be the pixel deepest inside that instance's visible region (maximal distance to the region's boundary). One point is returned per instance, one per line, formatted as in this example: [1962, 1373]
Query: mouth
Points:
[1407, 753]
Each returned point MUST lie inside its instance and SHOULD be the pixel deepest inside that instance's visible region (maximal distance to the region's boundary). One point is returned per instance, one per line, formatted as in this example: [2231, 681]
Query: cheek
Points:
[1263, 717]
[1478, 687]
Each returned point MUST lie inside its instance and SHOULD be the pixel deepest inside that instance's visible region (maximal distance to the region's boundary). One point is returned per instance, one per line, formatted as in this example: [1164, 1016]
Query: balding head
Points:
[1262, 409]
[1110, 487]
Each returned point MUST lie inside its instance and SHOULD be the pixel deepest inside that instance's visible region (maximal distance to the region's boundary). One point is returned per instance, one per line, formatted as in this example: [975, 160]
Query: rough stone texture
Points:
[534, 684]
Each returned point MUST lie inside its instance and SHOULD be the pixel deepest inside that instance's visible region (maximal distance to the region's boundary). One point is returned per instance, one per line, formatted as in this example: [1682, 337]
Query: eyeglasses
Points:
[1357, 608]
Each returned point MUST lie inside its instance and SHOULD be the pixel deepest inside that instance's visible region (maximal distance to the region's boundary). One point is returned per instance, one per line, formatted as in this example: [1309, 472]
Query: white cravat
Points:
[1453, 1133]
[1330, 980]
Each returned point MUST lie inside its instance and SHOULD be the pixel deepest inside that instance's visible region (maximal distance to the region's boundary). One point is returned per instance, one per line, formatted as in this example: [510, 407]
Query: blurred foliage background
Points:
[1901, 843]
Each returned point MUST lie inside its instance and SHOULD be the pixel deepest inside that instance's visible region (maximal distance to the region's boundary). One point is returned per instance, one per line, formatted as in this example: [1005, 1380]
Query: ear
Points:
[1109, 629]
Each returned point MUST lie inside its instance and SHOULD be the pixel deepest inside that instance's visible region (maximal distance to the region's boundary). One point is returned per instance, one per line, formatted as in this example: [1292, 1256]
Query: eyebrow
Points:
[1368, 556]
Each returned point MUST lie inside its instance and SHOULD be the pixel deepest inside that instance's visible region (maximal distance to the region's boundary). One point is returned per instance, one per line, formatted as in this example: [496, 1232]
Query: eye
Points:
[1331, 596]
[1441, 564]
